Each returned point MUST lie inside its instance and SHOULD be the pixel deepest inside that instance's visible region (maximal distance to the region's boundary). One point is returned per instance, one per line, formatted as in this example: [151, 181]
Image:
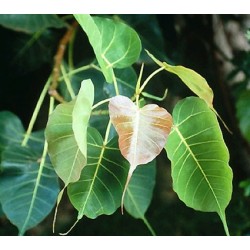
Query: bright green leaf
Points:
[201, 175]
[140, 190]
[81, 114]
[28, 189]
[30, 23]
[243, 113]
[64, 152]
[100, 186]
[115, 44]
[194, 81]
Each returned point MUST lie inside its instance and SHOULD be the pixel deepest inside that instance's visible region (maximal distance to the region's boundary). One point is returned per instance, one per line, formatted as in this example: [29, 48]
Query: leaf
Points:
[30, 23]
[99, 189]
[11, 129]
[28, 188]
[201, 175]
[126, 82]
[115, 44]
[81, 114]
[243, 113]
[194, 81]
[140, 190]
[121, 45]
[66, 132]
[142, 131]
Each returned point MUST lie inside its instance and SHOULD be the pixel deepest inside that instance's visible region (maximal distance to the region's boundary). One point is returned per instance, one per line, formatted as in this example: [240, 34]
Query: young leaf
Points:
[99, 189]
[28, 184]
[201, 175]
[142, 131]
[81, 114]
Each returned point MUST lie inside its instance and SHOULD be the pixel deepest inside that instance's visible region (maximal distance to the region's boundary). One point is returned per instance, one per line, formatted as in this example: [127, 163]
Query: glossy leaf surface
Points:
[30, 23]
[142, 131]
[100, 186]
[115, 44]
[140, 190]
[201, 175]
[28, 189]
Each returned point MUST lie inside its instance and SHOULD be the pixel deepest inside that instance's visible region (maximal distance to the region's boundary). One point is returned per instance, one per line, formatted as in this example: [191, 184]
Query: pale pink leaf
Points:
[142, 131]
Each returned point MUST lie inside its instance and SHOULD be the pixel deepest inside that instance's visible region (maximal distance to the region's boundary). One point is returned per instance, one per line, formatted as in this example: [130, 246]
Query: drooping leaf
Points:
[66, 132]
[115, 44]
[81, 114]
[142, 131]
[140, 190]
[201, 175]
[194, 81]
[243, 113]
[99, 189]
[30, 23]
[28, 188]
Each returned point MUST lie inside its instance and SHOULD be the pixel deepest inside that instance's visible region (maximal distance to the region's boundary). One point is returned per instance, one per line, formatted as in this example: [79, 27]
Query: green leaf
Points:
[30, 23]
[28, 188]
[142, 131]
[81, 114]
[11, 129]
[140, 190]
[243, 113]
[194, 81]
[201, 175]
[100, 186]
[115, 44]
[126, 82]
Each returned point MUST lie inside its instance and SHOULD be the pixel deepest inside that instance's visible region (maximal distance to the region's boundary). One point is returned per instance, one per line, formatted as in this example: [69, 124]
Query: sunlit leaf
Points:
[142, 131]
[115, 44]
[28, 189]
[194, 81]
[140, 190]
[66, 134]
[243, 113]
[31, 22]
[201, 175]
[81, 114]
[100, 186]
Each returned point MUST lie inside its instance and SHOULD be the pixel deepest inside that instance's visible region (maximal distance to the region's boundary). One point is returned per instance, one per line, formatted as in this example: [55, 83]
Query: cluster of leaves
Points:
[102, 143]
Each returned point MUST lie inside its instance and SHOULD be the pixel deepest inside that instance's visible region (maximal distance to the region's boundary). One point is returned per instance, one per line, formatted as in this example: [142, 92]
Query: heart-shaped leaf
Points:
[201, 175]
[142, 131]
[99, 189]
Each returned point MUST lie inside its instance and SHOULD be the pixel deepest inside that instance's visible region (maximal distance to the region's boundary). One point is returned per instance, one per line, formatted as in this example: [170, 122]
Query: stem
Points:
[107, 133]
[115, 83]
[68, 83]
[137, 90]
[71, 50]
[35, 113]
[150, 77]
[148, 226]
[100, 103]
[224, 222]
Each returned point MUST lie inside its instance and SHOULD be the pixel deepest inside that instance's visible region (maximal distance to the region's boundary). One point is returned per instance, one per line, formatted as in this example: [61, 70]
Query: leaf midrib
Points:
[199, 166]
